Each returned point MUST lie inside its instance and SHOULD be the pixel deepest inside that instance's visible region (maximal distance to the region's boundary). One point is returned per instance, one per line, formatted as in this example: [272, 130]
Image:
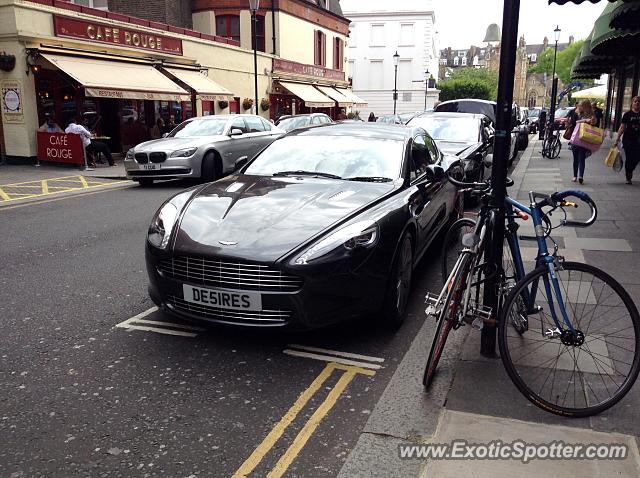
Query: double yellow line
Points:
[349, 373]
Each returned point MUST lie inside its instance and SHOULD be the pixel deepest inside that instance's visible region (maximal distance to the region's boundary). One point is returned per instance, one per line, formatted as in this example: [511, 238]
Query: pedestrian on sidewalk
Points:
[584, 114]
[630, 133]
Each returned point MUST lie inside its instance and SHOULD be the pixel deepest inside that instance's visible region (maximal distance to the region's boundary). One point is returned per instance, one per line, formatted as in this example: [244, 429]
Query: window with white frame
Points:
[406, 34]
[376, 74]
[352, 35]
[99, 4]
[351, 73]
[456, 61]
[404, 74]
[377, 35]
[464, 61]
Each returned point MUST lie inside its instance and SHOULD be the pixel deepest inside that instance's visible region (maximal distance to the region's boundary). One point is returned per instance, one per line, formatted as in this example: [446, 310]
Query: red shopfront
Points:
[294, 89]
[119, 97]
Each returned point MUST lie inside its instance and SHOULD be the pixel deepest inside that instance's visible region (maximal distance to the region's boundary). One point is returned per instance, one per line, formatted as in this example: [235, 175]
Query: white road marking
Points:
[329, 358]
[124, 324]
[152, 325]
[336, 352]
[161, 331]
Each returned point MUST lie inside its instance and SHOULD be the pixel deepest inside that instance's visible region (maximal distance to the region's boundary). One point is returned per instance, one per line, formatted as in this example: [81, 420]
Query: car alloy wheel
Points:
[399, 285]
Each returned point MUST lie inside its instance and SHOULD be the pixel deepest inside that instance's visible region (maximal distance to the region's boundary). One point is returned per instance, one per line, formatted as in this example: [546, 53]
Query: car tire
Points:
[524, 142]
[399, 286]
[208, 171]
[145, 182]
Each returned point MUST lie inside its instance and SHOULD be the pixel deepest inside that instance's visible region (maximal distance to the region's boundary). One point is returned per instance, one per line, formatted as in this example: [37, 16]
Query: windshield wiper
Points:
[307, 173]
[370, 179]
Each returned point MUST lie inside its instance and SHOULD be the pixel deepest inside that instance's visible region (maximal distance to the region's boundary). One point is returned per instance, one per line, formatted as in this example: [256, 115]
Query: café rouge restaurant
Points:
[127, 82]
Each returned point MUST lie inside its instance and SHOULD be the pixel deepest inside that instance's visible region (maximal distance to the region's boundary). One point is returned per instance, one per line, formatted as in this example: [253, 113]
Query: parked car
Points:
[466, 135]
[405, 117]
[487, 108]
[324, 225]
[562, 116]
[207, 147]
[523, 127]
[534, 119]
[389, 119]
[291, 122]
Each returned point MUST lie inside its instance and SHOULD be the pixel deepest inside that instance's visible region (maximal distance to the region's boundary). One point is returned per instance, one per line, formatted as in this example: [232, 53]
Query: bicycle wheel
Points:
[556, 146]
[510, 278]
[452, 244]
[447, 318]
[573, 375]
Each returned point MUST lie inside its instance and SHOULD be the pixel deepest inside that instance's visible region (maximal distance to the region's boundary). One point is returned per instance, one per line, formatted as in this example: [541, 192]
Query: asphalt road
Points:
[81, 396]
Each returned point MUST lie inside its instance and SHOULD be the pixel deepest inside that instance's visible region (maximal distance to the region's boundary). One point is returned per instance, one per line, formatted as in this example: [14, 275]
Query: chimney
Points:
[571, 40]
[545, 43]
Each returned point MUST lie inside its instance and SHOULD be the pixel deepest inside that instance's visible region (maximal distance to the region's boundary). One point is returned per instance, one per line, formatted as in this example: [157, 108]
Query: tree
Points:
[563, 61]
[480, 83]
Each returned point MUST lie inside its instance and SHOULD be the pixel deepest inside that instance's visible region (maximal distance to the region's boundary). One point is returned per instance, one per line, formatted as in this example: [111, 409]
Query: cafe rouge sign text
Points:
[99, 32]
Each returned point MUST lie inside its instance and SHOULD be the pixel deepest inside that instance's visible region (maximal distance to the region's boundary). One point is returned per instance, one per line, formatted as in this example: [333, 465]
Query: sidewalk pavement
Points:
[472, 397]
[19, 173]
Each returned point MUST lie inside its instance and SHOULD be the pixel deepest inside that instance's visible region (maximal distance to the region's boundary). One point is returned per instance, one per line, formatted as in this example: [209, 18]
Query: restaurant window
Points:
[338, 53]
[228, 26]
[99, 4]
[320, 48]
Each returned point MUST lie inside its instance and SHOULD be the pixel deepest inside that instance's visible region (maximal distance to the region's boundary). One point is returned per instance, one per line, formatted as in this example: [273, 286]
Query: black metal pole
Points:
[273, 24]
[501, 153]
[426, 90]
[395, 89]
[554, 87]
[255, 57]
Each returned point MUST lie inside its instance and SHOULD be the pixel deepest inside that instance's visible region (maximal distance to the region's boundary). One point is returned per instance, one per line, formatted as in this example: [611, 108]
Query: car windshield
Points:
[199, 127]
[562, 113]
[534, 113]
[289, 124]
[449, 129]
[347, 157]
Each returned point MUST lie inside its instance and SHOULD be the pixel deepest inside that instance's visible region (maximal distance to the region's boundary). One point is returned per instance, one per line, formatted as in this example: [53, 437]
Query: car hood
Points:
[455, 147]
[263, 218]
[173, 144]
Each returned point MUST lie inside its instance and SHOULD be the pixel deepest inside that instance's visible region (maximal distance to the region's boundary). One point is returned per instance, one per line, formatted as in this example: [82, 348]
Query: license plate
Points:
[223, 298]
[150, 166]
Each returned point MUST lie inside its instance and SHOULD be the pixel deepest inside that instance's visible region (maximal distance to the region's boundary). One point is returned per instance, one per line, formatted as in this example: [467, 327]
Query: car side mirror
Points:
[435, 172]
[235, 132]
[241, 162]
[164, 135]
[488, 161]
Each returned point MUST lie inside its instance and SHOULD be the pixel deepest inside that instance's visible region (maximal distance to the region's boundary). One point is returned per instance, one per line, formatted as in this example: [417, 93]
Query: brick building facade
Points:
[171, 12]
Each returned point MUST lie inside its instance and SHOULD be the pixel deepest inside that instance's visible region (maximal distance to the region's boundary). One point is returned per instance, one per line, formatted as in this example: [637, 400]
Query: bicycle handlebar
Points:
[556, 200]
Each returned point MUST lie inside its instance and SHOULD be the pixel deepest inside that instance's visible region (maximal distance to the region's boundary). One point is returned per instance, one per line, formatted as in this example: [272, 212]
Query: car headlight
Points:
[130, 154]
[165, 219]
[183, 153]
[363, 234]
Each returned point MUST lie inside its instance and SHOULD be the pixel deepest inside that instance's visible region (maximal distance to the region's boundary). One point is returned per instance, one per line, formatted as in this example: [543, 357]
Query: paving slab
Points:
[598, 244]
[482, 429]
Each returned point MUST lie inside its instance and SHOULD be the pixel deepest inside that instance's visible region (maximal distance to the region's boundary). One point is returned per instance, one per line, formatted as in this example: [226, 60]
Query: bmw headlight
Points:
[130, 154]
[183, 153]
[363, 234]
[165, 219]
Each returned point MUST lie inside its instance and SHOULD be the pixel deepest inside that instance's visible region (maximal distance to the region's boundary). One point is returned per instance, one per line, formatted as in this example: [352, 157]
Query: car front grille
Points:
[229, 275]
[142, 158]
[263, 317]
[157, 157]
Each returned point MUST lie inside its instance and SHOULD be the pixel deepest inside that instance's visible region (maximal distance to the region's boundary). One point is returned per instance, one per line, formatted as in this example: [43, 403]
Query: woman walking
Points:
[584, 115]
[630, 133]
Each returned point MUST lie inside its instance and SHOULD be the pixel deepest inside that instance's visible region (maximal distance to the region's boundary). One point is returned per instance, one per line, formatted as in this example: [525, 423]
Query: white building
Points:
[378, 29]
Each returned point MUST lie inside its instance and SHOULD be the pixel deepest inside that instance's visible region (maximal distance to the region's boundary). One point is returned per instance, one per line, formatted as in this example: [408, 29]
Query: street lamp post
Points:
[396, 59]
[426, 88]
[253, 6]
[554, 80]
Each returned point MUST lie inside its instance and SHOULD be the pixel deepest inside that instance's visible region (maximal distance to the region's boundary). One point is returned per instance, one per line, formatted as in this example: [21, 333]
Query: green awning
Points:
[609, 41]
[626, 15]
[562, 2]
[587, 63]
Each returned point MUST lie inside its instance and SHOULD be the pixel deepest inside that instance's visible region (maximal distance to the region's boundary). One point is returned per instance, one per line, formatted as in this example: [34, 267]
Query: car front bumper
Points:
[169, 168]
[328, 294]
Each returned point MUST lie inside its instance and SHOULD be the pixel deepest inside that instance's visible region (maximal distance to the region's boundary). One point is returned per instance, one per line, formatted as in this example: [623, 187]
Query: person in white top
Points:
[75, 127]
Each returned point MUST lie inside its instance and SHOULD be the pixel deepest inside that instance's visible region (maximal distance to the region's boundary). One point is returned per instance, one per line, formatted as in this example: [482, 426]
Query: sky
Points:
[461, 23]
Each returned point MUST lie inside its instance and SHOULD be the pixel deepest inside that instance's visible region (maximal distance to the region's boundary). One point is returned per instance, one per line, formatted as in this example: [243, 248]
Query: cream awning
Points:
[312, 98]
[357, 101]
[118, 79]
[335, 95]
[205, 88]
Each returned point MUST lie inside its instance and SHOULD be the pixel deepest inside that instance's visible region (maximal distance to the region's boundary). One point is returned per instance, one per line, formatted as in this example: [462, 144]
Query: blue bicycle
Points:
[568, 332]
